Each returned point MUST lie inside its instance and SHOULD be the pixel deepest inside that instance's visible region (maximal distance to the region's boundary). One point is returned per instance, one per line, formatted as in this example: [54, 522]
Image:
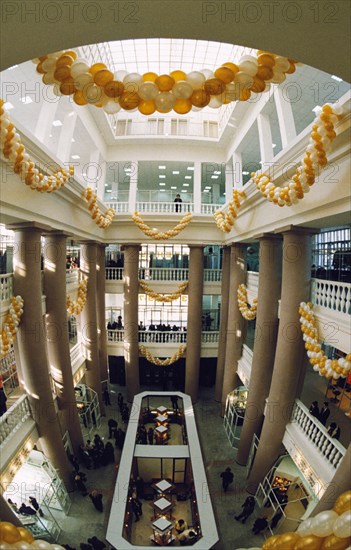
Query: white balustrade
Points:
[115, 335]
[76, 352]
[209, 209]
[6, 287]
[162, 337]
[247, 354]
[114, 273]
[252, 281]
[164, 207]
[118, 207]
[72, 276]
[163, 274]
[331, 449]
[7, 362]
[209, 337]
[332, 295]
[212, 275]
[13, 418]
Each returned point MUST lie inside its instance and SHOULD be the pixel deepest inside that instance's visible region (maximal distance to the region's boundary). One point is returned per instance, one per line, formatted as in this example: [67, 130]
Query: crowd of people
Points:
[322, 415]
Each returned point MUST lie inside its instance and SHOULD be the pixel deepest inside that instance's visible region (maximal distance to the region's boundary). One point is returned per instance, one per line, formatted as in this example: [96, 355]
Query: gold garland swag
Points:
[160, 297]
[165, 362]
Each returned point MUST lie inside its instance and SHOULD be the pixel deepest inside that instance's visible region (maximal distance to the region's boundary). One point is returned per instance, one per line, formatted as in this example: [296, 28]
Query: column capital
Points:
[57, 233]
[29, 226]
[135, 245]
[196, 246]
[297, 229]
[270, 236]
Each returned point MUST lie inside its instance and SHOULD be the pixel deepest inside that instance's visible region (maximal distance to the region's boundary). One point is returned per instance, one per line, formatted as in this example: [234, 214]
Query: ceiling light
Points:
[162, 183]
[274, 145]
[57, 123]
[127, 169]
[224, 194]
[8, 106]
[188, 177]
[185, 185]
[162, 190]
[106, 184]
[73, 140]
[206, 190]
[75, 156]
[175, 172]
[173, 188]
[26, 100]
[246, 173]
[217, 172]
[214, 177]
[317, 109]
[191, 168]
[162, 167]
[338, 79]
[108, 190]
[208, 187]
[231, 125]
[161, 176]
[50, 135]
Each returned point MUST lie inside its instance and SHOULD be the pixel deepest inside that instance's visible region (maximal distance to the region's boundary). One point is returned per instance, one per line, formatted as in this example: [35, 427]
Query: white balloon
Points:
[22, 545]
[42, 545]
[322, 524]
[216, 101]
[164, 102]
[182, 89]
[133, 78]
[79, 67]
[342, 525]
[207, 73]
[111, 107]
[49, 64]
[305, 527]
[82, 80]
[248, 67]
[148, 91]
[196, 79]
[119, 75]
[244, 79]
[281, 63]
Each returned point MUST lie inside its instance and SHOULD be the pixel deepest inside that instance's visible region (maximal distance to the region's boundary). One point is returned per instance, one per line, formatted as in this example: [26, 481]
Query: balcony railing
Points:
[114, 273]
[13, 419]
[119, 207]
[212, 275]
[330, 448]
[162, 337]
[164, 273]
[6, 287]
[210, 208]
[164, 207]
[252, 281]
[332, 295]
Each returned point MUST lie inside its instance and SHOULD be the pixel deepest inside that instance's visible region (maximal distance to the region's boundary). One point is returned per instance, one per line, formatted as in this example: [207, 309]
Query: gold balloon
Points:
[79, 98]
[129, 100]
[25, 535]
[63, 72]
[64, 60]
[8, 532]
[232, 67]
[245, 94]
[114, 88]
[164, 82]
[343, 503]
[178, 75]
[291, 69]
[199, 98]
[67, 87]
[147, 107]
[182, 106]
[270, 542]
[266, 60]
[96, 68]
[258, 85]
[103, 77]
[309, 542]
[149, 77]
[40, 68]
[264, 72]
[71, 53]
[225, 74]
[287, 540]
[214, 86]
[335, 543]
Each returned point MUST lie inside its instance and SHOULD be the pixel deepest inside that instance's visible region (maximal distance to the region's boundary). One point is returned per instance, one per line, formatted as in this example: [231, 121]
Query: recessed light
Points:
[26, 100]
[208, 187]
[127, 169]
[231, 125]
[317, 108]
[206, 190]
[50, 135]
[214, 177]
[224, 194]
[191, 168]
[175, 172]
[162, 190]
[57, 123]
[75, 156]
[173, 188]
[162, 183]
[246, 173]
[188, 177]
[161, 176]
[274, 145]
[162, 167]
[185, 185]
[8, 106]
[337, 78]
[73, 140]
[217, 172]
[108, 190]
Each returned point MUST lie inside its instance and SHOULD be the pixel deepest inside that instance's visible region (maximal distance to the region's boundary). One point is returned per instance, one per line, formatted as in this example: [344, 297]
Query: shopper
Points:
[137, 508]
[227, 478]
[188, 536]
[3, 399]
[96, 543]
[324, 413]
[314, 409]
[106, 397]
[180, 526]
[36, 506]
[334, 431]
[178, 201]
[80, 485]
[248, 508]
[112, 428]
[96, 499]
[150, 436]
[26, 510]
[259, 525]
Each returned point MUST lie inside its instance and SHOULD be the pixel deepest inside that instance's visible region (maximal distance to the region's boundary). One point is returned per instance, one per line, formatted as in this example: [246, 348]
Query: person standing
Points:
[106, 397]
[137, 508]
[150, 436]
[227, 478]
[314, 409]
[248, 508]
[3, 399]
[174, 400]
[324, 413]
[96, 499]
[36, 506]
[334, 430]
[178, 201]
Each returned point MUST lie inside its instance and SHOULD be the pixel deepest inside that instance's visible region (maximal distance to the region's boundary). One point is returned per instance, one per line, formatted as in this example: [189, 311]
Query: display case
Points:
[162, 532]
[234, 414]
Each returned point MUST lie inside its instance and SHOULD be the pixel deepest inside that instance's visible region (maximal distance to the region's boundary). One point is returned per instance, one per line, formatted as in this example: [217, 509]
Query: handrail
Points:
[13, 418]
[6, 287]
[164, 207]
[162, 337]
[164, 273]
[213, 275]
[332, 295]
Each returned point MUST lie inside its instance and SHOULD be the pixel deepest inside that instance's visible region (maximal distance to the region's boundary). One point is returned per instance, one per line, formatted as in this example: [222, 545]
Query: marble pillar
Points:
[131, 336]
[224, 322]
[101, 313]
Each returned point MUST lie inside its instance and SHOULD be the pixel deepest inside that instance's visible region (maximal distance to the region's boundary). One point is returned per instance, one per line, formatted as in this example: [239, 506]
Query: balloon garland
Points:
[225, 222]
[22, 539]
[10, 325]
[249, 313]
[322, 136]
[144, 352]
[160, 297]
[162, 235]
[75, 308]
[97, 85]
[102, 220]
[13, 149]
[328, 530]
[330, 368]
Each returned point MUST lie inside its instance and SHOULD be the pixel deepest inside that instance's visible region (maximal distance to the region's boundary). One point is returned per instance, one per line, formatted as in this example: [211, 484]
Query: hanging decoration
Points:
[98, 85]
[328, 530]
[144, 352]
[249, 313]
[322, 136]
[75, 308]
[10, 324]
[160, 297]
[162, 235]
[13, 150]
[226, 221]
[330, 368]
[102, 220]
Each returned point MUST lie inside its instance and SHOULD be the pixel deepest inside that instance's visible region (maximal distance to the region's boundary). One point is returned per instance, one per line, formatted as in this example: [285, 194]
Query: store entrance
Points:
[38, 480]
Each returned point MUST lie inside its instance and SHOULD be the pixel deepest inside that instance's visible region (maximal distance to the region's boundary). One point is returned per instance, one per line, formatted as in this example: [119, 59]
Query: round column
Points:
[236, 322]
[131, 336]
[338, 485]
[101, 314]
[88, 259]
[31, 342]
[224, 322]
[288, 363]
[269, 288]
[194, 322]
[57, 335]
